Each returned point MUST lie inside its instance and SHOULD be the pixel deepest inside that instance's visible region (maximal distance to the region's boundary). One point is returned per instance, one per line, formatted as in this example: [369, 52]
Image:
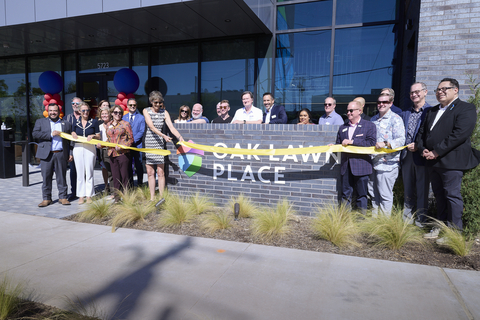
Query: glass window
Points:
[69, 80]
[140, 66]
[355, 11]
[302, 70]
[13, 102]
[304, 15]
[175, 75]
[103, 61]
[363, 61]
[228, 69]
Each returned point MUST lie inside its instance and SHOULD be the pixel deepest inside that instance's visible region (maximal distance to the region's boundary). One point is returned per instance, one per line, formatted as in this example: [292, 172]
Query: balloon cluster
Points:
[51, 83]
[49, 98]
[126, 81]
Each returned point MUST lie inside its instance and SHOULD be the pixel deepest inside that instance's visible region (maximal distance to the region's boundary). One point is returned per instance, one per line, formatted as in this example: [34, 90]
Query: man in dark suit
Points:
[444, 141]
[274, 113]
[414, 173]
[355, 168]
[54, 153]
[137, 122]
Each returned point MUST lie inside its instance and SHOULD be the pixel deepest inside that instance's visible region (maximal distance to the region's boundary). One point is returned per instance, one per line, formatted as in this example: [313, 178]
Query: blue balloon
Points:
[126, 80]
[50, 82]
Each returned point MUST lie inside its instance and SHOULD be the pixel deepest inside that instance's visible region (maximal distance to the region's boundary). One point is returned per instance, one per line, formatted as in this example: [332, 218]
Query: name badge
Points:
[343, 129]
[274, 116]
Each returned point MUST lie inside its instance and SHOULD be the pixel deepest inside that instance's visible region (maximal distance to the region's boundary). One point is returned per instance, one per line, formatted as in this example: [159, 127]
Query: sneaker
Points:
[433, 234]
[419, 224]
[441, 241]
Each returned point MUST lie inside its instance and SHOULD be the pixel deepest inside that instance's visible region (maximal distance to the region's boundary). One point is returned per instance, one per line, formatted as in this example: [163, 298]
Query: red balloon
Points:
[124, 108]
[46, 108]
[130, 96]
[52, 101]
[47, 96]
[45, 103]
[121, 96]
[57, 97]
[125, 102]
[60, 103]
[118, 102]
[60, 108]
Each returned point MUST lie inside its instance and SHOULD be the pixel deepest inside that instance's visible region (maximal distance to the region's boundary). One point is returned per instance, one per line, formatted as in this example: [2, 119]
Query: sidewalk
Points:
[148, 275]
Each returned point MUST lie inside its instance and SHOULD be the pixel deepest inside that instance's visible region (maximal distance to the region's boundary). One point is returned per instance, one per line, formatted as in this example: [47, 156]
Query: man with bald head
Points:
[355, 168]
[197, 117]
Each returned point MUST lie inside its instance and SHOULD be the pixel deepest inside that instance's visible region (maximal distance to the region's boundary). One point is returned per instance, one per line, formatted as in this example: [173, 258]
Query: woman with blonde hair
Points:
[184, 114]
[105, 116]
[156, 117]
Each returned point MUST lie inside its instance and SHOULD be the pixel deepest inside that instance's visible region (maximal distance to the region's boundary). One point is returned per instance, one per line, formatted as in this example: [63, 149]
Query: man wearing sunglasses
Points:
[444, 141]
[72, 119]
[274, 113]
[330, 117]
[137, 122]
[222, 110]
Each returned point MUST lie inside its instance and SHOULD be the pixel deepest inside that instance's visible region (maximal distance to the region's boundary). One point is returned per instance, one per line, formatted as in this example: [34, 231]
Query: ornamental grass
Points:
[11, 297]
[454, 239]
[247, 208]
[99, 209]
[337, 224]
[198, 203]
[392, 231]
[268, 223]
[214, 221]
[175, 211]
[132, 208]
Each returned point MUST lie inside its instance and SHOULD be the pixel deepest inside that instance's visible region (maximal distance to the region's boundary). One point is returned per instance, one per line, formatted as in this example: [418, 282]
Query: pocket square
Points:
[359, 135]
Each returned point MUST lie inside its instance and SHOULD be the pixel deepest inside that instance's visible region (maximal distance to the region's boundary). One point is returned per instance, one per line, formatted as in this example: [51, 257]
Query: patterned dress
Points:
[152, 140]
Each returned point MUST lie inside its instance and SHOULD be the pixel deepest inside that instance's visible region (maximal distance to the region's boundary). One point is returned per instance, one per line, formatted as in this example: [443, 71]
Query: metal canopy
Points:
[186, 20]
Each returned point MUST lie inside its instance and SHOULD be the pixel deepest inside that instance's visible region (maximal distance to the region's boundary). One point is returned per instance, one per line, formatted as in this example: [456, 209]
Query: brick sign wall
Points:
[305, 180]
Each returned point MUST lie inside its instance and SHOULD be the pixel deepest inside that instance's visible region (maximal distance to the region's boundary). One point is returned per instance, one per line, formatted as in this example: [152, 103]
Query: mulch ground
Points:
[302, 238]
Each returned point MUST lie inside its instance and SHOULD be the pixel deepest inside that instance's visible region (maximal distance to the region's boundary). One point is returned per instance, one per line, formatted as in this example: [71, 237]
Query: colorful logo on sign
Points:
[189, 159]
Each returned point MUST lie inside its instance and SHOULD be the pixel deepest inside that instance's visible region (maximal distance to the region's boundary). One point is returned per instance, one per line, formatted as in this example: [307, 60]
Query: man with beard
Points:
[197, 116]
[54, 153]
[274, 113]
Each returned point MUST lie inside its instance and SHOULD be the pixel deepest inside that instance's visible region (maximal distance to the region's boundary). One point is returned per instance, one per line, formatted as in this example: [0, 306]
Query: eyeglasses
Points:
[132, 105]
[222, 107]
[117, 112]
[417, 92]
[84, 111]
[157, 102]
[328, 104]
[444, 89]
[75, 103]
[351, 110]
[383, 102]
[186, 111]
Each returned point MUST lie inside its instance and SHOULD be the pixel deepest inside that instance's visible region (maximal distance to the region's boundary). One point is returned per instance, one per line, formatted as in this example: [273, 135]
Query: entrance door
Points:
[94, 87]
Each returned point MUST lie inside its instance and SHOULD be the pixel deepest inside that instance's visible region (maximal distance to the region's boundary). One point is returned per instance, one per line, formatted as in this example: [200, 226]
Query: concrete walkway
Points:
[132, 274]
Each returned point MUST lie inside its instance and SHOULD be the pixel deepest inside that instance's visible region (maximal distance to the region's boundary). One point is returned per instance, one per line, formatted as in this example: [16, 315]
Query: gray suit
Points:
[49, 161]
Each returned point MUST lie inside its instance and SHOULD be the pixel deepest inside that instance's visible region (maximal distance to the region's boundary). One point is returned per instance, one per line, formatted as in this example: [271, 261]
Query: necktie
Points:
[131, 119]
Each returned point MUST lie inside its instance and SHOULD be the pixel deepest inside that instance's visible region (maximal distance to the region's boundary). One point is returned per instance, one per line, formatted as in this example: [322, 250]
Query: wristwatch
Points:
[244, 121]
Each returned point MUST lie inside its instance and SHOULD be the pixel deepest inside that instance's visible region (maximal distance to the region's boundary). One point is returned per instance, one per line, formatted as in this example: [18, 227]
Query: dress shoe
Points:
[45, 203]
[81, 200]
[65, 202]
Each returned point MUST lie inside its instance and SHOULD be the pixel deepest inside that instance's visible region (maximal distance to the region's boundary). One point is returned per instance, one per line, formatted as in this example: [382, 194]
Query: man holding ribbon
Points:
[137, 123]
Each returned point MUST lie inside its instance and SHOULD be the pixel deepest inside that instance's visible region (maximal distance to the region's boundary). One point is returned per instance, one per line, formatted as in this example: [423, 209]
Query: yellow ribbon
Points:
[109, 144]
[291, 151]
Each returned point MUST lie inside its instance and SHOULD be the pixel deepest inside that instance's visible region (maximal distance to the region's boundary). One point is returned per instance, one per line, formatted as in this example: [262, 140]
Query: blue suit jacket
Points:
[417, 157]
[365, 135]
[138, 128]
[278, 115]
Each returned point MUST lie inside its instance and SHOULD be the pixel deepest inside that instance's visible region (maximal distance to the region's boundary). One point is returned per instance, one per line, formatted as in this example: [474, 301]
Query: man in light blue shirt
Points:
[330, 117]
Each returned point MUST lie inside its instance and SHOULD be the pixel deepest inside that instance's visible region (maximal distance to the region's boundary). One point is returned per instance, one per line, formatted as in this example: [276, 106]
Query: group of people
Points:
[437, 141]
[112, 126]
[438, 150]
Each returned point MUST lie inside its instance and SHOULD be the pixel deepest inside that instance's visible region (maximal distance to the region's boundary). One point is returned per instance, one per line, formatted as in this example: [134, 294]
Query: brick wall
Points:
[305, 182]
[448, 43]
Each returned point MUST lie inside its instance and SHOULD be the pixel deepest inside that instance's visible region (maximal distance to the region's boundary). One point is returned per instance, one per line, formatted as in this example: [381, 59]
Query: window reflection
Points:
[69, 81]
[302, 70]
[354, 11]
[304, 15]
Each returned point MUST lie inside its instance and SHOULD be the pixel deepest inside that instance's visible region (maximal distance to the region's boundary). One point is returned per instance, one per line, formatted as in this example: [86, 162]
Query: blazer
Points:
[417, 156]
[365, 135]
[138, 128]
[278, 115]
[43, 132]
[450, 137]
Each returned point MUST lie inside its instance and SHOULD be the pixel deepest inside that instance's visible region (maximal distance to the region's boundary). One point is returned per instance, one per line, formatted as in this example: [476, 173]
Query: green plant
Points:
[11, 297]
[131, 209]
[268, 223]
[471, 178]
[336, 224]
[454, 239]
[247, 208]
[100, 208]
[392, 231]
[175, 211]
[213, 221]
[200, 203]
